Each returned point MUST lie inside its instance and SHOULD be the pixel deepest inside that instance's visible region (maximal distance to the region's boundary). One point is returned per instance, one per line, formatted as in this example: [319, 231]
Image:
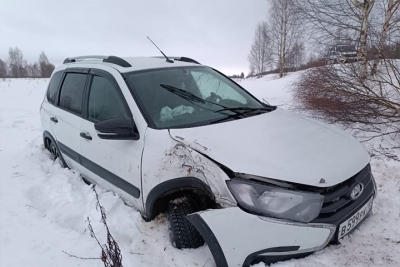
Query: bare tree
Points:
[364, 8]
[326, 18]
[260, 54]
[340, 94]
[284, 27]
[17, 67]
[29, 70]
[296, 56]
[16, 62]
[3, 69]
[390, 21]
[46, 68]
[33, 70]
[36, 70]
[345, 94]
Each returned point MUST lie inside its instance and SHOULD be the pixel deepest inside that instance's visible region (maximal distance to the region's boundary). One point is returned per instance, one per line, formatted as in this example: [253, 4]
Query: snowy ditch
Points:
[44, 208]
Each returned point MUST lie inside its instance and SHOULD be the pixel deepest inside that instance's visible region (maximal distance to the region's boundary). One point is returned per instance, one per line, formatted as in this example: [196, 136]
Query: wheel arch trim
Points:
[209, 237]
[48, 135]
[171, 186]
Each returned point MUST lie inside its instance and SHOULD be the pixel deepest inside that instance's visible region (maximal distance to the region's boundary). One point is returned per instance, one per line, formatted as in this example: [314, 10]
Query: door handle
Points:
[86, 136]
[54, 119]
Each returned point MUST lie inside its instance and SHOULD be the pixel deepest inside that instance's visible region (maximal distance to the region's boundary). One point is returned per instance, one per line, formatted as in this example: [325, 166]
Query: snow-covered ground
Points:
[43, 208]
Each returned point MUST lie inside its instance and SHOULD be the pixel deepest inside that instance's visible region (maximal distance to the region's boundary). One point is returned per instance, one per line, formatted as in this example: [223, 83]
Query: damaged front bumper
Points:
[238, 238]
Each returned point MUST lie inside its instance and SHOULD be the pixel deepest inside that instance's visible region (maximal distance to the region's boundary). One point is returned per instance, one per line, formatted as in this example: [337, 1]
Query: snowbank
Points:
[44, 208]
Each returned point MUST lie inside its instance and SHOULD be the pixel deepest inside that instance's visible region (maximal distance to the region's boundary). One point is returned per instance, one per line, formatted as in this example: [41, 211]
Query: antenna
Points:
[168, 60]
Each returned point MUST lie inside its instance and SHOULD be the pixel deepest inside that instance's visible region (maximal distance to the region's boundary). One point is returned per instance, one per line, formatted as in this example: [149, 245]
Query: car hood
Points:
[279, 145]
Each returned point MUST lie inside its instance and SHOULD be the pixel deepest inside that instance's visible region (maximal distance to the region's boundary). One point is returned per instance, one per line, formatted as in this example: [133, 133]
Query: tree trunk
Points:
[365, 9]
[391, 7]
[283, 34]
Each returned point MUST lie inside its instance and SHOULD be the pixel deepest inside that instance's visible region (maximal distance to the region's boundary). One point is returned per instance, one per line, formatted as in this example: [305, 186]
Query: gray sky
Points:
[214, 32]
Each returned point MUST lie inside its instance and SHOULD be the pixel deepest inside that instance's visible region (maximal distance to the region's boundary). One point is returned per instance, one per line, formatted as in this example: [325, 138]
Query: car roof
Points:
[129, 64]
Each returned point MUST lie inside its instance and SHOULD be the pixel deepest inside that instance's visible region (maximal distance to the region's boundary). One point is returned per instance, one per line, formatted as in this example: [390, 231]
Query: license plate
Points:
[352, 222]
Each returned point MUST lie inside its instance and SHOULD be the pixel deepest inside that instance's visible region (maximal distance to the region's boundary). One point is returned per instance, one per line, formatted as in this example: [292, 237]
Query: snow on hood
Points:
[279, 145]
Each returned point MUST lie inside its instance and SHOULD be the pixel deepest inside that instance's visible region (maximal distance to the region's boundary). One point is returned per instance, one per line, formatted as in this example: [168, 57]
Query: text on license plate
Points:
[352, 222]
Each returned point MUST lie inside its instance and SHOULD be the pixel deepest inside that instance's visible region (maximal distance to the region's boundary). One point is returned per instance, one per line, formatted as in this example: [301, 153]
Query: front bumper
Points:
[237, 238]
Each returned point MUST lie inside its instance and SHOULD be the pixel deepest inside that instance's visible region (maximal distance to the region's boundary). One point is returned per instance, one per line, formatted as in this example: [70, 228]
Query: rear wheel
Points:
[55, 152]
[183, 233]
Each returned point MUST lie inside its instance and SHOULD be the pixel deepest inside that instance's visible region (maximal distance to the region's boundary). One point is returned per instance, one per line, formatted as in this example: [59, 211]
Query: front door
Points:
[114, 164]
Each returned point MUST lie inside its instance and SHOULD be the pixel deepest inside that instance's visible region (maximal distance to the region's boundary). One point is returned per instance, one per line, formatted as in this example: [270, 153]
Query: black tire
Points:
[52, 147]
[55, 152]
[86, 181]
[183, 233]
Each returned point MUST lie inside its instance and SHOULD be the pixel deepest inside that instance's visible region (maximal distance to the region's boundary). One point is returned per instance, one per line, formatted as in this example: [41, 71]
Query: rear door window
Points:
[72, 92]
[53, 86]
[105, 101]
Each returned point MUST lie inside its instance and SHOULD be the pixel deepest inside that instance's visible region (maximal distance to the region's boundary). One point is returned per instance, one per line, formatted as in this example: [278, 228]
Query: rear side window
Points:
[104, 101]
[53, 86]
[72, 92]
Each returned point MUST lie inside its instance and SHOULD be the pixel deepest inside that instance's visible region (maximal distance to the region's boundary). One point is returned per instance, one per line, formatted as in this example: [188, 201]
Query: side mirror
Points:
[117, 129]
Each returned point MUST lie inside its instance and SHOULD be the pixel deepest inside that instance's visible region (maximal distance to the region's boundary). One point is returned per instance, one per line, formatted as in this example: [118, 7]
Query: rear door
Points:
[50, 100]
[114, 164]
[67, 115]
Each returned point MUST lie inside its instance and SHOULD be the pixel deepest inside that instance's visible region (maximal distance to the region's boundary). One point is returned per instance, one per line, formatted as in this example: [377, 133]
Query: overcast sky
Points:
[217, 33]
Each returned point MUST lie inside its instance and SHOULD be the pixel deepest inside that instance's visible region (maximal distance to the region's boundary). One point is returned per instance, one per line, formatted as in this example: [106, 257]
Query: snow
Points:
[271, 89]
[44, 208]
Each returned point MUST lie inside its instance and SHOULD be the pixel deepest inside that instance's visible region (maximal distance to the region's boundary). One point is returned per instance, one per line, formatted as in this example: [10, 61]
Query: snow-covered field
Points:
[43, 208]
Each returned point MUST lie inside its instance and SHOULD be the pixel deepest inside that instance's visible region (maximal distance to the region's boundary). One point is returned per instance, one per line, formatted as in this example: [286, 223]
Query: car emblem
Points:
[357, 191]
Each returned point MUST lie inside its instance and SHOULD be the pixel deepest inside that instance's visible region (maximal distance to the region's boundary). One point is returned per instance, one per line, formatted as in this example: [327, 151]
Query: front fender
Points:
[165, 160]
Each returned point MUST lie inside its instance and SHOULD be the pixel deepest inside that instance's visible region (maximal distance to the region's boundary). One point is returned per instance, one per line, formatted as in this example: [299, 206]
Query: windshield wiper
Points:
[184, 94]
[194, 98]
[232, 116]
[239, 111]
[246, 109]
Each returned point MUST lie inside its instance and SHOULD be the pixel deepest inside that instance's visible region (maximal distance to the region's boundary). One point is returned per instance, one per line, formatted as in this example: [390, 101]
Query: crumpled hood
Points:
[279, 145]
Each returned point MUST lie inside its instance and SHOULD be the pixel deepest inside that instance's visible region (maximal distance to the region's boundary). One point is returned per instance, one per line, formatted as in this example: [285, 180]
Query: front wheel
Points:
[184, 234]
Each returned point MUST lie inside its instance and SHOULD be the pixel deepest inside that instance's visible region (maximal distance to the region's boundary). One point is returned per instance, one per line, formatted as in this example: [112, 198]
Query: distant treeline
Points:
[391, 51]
[312, 63]
[16, 67]
[241, 76]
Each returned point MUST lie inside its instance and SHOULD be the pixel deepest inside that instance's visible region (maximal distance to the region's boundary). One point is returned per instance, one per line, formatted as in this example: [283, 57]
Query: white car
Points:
[257, 182]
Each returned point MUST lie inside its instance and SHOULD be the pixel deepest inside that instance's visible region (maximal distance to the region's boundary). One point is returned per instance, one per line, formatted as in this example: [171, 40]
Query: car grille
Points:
[338, 204]
[350, 55]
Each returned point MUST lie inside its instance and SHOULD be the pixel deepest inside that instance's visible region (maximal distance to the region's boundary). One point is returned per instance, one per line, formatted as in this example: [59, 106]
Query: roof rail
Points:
[183, 59]
[109, 59]
[187, 59]
[75, 59]
[118, 61]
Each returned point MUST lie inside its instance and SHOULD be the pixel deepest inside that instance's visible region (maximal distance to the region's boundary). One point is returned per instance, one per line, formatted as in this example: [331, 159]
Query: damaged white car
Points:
[253, 181]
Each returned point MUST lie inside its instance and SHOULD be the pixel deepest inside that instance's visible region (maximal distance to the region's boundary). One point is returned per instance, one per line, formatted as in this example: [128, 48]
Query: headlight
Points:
[275, 201]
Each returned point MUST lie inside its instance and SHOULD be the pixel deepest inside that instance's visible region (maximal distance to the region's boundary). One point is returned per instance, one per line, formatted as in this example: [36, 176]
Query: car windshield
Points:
[190, 96]
[345, 48]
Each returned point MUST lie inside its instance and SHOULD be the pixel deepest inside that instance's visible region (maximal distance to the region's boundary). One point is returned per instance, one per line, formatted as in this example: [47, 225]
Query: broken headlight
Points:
[275, 201]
